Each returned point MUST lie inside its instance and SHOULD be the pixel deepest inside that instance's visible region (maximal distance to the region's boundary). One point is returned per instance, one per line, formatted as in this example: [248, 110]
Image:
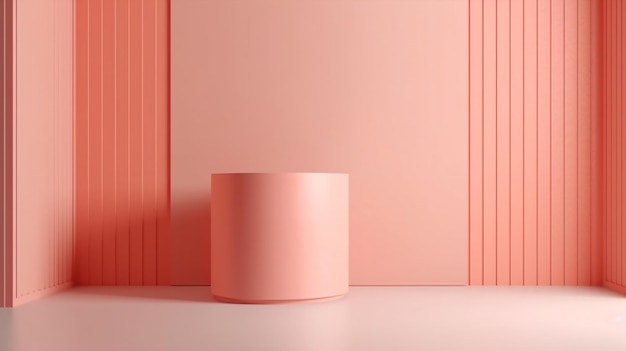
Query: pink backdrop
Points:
[371, 88]
[375, 89]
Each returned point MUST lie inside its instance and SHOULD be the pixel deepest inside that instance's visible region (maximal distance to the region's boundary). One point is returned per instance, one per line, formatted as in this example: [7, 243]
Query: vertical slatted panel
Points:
[532, 181]
[613, 142]
[95, 142]
[81, 135]
[517, 127]
[570, 142]
[136, 142]
[149, 141]
[544, 102]
[584, 169]
[598, 151]
[610, 138]
[123, 123]
[617, 152]
[618, 143]
[65, 78]
[162, 142]
[476, 143]
[122, 138]
[503, 143]
[54, 153]
[608, 143]
[557, 154]
[529, 116]
[108, 143]
[42, 137]
[489, 142]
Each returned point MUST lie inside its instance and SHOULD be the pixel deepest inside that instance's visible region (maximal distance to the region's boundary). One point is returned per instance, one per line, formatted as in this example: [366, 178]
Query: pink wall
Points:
[306, 86]
[534, 131]
[37, 151]
[122, 145]
[615, 107]
[372, 88]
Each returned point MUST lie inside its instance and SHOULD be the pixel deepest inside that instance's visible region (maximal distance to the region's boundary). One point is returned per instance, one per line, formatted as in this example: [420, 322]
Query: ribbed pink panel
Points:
[503, 142]
[598, 143]
[517, 173]
[122, 133]
[570, 144]
[584, 243]
[36, 88]
[489, 140]
[476, 143]
[530, 131]
[532, 143]
[544, 157]
[614, 13]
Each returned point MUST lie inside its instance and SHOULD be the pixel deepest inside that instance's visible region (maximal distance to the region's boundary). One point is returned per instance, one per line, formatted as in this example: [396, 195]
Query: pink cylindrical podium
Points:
[279, 237]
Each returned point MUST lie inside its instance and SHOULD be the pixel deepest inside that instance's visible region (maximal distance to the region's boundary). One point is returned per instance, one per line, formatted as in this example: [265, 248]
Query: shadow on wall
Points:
[191, 216]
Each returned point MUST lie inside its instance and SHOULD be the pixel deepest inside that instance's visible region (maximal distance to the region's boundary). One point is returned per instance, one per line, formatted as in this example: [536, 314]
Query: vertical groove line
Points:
[469, 147]
[523, 142]
[609, 133]
[577, 148]
[14, 133]
[509, 149]
[591, 189]
[5, 294]
[614, 131]
[496, 81]
[537, 141]
[613, 148]
[621, 195]
[52, 270]
[550, 142]
[102, 138]
[73, 278]
[563, 132]
[482, 19]
[143, 213]
[156, 136]
[606, 142]
[72, 271]
[128, 146]
[115, 214]
[615, 140]
[621, 115]
[89, 209]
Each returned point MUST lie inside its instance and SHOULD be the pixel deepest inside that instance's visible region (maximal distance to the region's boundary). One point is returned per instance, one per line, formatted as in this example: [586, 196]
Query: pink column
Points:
[279, 237]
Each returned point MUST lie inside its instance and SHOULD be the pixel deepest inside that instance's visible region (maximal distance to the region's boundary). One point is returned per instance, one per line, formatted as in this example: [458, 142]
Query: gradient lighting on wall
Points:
[505, 169]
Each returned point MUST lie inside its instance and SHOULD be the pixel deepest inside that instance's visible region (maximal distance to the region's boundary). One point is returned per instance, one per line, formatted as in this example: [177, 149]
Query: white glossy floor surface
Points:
[369, 318]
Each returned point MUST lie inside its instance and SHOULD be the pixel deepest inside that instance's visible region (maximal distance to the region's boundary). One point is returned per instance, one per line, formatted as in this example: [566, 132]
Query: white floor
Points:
[369, 318]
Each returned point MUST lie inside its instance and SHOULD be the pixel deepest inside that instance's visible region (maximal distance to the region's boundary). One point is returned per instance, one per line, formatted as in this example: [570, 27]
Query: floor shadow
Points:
[176, 293]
